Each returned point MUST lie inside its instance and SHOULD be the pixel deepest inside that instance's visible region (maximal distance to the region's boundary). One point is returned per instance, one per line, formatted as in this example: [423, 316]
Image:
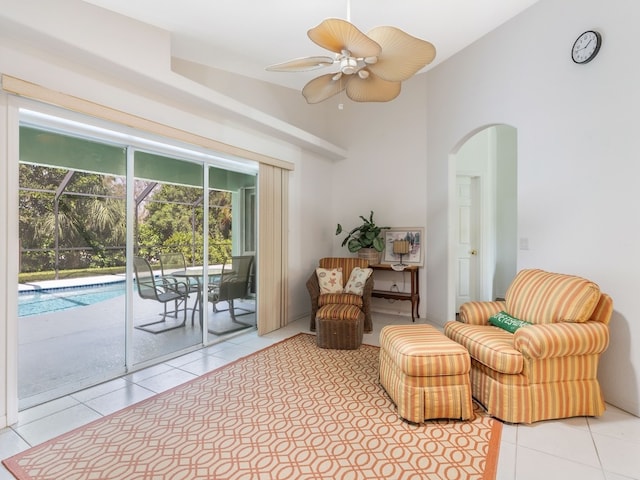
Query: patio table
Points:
[197, 273]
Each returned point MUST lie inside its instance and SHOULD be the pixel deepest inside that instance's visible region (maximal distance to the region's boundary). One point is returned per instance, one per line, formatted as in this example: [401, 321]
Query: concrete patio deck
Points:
[68, 350]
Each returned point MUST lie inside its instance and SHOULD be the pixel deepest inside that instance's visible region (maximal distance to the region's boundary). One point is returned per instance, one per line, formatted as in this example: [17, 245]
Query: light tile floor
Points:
[604, 448]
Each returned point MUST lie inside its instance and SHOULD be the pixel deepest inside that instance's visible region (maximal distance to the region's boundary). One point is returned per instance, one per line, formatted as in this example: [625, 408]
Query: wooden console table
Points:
[413, 296]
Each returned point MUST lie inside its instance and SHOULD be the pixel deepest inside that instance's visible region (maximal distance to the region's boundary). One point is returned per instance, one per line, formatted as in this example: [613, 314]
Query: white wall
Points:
[474, 154]
[281, 102]
[384, 171]
[577, 157]
[506, 209]
[311, 227]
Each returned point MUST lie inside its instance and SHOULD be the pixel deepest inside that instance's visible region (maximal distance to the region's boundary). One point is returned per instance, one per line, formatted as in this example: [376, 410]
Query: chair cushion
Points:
[340, 312]
[357, 279]
[340, 299]
[421, 350]
[543, 297]
[489, 345]
[330, 280]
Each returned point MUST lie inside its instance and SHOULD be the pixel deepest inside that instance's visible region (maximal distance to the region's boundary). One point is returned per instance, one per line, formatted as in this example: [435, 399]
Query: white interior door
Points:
[467, 235]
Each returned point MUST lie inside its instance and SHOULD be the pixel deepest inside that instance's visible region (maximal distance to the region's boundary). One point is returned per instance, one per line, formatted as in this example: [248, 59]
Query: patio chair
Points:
[172, 262]
[213, 286]
[160, 290]
[234, 285]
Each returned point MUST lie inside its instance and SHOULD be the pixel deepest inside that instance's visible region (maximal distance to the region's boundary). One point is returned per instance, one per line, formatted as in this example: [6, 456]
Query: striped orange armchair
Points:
[318, 299]
[547, 367]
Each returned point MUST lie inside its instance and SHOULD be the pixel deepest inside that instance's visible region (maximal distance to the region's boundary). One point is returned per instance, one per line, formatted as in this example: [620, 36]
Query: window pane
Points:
[71, 301]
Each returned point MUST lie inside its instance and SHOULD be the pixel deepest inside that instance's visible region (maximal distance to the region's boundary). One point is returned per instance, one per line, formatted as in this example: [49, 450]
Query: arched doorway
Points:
[483, 212]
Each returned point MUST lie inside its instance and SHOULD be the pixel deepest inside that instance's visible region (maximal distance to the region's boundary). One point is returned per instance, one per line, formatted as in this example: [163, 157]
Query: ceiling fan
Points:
[371, 67]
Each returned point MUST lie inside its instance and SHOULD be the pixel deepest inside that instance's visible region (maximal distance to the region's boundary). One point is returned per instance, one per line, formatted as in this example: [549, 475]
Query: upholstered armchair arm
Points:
[313, 286]
[562, 339]
[478, 313]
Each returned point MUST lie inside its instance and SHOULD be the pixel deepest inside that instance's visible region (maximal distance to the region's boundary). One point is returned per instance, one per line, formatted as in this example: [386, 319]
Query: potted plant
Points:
[365, 239]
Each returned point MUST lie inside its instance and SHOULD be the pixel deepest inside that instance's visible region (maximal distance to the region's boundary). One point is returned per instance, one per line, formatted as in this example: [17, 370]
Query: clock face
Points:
[586, 47]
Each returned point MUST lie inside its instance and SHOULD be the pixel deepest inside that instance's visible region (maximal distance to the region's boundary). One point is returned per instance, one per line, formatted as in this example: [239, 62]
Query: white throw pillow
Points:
[357, 279]
[330, 279]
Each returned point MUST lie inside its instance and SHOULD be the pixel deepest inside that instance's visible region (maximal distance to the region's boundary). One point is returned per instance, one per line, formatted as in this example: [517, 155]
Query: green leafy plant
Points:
[366, 235]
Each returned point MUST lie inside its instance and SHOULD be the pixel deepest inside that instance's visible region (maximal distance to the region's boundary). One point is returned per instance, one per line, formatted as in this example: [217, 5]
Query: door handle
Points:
[474, 252]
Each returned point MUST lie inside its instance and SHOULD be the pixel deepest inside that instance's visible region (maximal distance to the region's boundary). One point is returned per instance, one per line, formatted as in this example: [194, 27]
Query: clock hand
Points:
[585, 45]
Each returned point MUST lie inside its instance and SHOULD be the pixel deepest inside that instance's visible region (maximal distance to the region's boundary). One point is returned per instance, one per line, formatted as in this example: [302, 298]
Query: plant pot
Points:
[370, 254]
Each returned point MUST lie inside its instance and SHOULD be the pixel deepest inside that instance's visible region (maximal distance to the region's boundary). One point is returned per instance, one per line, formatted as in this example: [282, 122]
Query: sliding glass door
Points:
[71, 300]
[231, 228]
[168, 246]
[126, 257]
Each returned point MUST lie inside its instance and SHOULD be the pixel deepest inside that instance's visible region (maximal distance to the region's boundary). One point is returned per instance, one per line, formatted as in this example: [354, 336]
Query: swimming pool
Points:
[37, 302]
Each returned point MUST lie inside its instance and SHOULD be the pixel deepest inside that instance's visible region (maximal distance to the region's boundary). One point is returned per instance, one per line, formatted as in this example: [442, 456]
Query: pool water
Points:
[38, 302]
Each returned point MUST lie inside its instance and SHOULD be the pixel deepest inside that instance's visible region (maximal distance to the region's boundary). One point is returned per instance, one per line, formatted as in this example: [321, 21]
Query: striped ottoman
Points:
[425, 373]
[339, 326]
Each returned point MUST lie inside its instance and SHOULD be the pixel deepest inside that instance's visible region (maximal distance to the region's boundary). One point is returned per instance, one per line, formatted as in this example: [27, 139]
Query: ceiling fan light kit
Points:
[371, 67]
[349, 65]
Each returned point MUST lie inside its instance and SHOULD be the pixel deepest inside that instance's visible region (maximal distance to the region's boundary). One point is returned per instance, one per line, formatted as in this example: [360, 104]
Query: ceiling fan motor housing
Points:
[349, 65]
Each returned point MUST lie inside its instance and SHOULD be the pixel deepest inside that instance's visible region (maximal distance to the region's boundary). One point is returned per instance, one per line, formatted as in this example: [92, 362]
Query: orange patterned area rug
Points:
[290, 411]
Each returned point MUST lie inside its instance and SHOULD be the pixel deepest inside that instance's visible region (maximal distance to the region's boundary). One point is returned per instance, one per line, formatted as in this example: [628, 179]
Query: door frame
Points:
[487, 223]
[477, 280]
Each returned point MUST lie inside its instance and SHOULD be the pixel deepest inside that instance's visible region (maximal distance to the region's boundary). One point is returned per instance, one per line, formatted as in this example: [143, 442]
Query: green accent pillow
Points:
[506, 322]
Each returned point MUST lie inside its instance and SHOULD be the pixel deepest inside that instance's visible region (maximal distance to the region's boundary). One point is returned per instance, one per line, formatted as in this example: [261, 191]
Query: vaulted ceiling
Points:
[245, 36]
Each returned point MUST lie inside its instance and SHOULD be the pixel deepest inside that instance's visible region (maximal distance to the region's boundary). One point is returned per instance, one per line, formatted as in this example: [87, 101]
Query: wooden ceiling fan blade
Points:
[301, 64]
[402, 55]
[372, 89]
[323, 87]
[337, 35]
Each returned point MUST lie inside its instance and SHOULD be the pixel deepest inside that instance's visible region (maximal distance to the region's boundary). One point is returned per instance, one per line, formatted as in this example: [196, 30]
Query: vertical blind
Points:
[273, 200]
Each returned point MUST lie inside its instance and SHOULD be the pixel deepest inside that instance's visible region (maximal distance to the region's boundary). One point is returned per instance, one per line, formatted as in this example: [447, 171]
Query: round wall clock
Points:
[586, 47]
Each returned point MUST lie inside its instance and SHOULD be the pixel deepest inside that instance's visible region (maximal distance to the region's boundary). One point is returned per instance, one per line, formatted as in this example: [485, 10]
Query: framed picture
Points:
[414, 235]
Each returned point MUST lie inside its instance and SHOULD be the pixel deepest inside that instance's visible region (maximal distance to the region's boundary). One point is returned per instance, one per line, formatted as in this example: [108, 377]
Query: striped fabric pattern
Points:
[561, 369]
[544, 297]
[478, 313]
[491, 346]
[342, 298]
[425, 373]
[603, 310]
[543, 371]
[512, 399]
[562, 339]
[337, 311]
[503, 396]
[423, 351]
